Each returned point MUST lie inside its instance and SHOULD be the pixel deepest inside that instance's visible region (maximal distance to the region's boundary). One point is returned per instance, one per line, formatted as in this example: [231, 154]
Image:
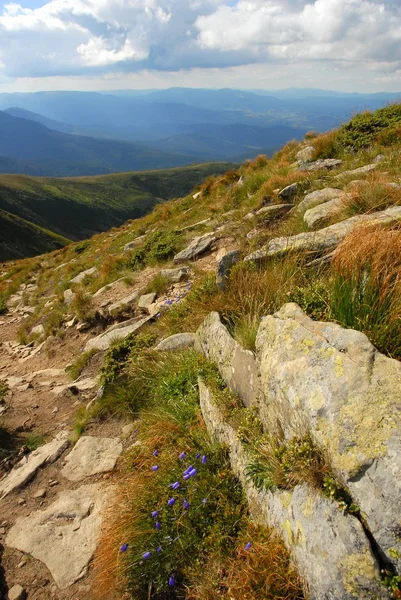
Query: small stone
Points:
[41, 493]
[224, 267]
[146, 301]
[53, 482]
[21, 501]
[175, 275]
[17, 592]
[38, 330]
[55, 410]
[81, 276]
[68, 297]
[22, 563]
[2, 530]
[289, 192]
[306, 154]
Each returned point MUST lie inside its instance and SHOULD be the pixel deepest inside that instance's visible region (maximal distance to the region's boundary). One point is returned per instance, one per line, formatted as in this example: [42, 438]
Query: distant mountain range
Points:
[89, 133]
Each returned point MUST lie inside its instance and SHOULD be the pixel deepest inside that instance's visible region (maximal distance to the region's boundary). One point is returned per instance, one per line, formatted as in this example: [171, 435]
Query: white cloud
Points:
[69, 38]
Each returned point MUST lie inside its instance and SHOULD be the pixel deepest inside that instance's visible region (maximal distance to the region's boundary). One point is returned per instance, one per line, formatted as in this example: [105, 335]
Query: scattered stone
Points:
[249, 216]
[83, 326]
[198, 246]
[2, 530]
[52, 537]
[26, 469]
[197, 195]
[69, 297]
[326, 163]
[55, 410]
[90, 456]
[274, 211]
[134, 244]
[306, 154]
[179, 341]
[105, 340]
[349, 397]
[318, 197]
[176, 275]
[17, 592]
[379, 158]
[14, 382]
[71, 323]
[224, 267]
[237, 365]
[289, 192]
[146, 301]
[38, 330]
[107, 288]
[81, 276]
[127, 304]
[317, 217]
[21, 501]
[127, 430]
[80, 385]
[22, 563]
[360, 171]
[324, 239]
[53, 482]
[41, 493]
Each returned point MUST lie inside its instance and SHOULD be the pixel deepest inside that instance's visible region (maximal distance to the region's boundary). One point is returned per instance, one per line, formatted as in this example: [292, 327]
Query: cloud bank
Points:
[98, 37]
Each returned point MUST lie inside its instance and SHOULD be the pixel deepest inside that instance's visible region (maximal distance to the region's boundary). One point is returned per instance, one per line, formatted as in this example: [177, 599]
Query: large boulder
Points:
[321, 215]
[323, 164]
[289, 192]
[306, 154]
[176, 275]
[81, 276]
[318, 197]
[146, 301]
[224, 267]
[349, 396]
[324, 239]
[237, 365]
[114, 334]
[330, 548]
[198, 246]
[124, 305]
[356, 172]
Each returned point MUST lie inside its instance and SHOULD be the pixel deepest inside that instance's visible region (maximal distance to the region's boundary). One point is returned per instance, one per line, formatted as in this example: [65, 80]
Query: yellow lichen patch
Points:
[285, 499]
[308, 507]
[356, 566]
[307, 345]
[339, 366]
[317, 399]
[287, 529]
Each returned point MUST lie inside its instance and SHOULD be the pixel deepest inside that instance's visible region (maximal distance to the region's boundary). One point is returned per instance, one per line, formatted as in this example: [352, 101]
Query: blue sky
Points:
[350, 45]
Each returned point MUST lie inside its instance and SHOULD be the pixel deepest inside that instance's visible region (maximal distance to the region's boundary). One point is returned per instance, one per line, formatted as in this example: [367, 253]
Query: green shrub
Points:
[364, 129]
[80, 248]
[159, 285]
[161, 245]
[75, 369]
[117, 357]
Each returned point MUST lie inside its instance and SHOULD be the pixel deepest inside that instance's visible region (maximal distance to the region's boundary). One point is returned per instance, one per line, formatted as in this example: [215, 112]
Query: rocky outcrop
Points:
[64, 536]
[113, 334]
[237, 365]
[224, 267]
[349, 395]
[179, 341]
[306, 154]
[356, 172]
[81, 276]
[318, 197]
[274, 211]
[321, 215]
[324, 239]
[124, 305]
[330, 548]
[288, 192]
[198, 246]
[176, 275]
[326, 164]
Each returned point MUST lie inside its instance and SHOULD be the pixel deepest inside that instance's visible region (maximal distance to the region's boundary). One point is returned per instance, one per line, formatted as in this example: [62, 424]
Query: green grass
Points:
[34, 440]
[75, 369]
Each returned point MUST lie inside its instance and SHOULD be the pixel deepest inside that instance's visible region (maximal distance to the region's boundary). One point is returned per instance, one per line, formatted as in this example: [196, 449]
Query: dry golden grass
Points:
[325, 145]
[371, 195]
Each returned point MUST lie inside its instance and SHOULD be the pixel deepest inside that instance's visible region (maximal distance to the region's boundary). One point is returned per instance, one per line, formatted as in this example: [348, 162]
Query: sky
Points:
[344, 45]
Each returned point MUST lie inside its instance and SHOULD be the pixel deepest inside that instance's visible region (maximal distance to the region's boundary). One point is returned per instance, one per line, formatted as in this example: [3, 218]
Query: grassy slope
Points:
[76, 208]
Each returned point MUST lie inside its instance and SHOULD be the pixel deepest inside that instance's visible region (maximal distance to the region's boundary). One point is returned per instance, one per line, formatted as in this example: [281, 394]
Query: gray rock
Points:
[90, 456]
[349, 395]
[145, 302]
[289, 192]
[113, 334]
[324, 239]
[321, 215]
[224, 267]
[319, 197]
[360, 171]
[330, 548]
[17, 592]
[306, 154]
[124, 305]
[64, 536]
[81, 276]
[254, 233]
[198, 246]
[237, 365]
[69, 297]
[106, 288]
[38, 330]
[378, 159]
[274, 211]
[41, 493]
[176, 275]
[326, 163]
[179, 341]
[134, 244]
[26, 469]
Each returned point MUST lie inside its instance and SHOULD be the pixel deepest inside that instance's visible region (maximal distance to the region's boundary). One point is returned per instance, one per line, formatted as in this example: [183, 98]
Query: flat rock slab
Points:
[318, 197]
[179, 341]
[106, 339]
[198, 246]
[224, 267]
[26, 469]
[321, 215]
[324, 239]
[90, 456]
[175, 275]
[64, 536]
[81, 276]
[123, 305]
[325, 164]
[360, 171]
[274, 211]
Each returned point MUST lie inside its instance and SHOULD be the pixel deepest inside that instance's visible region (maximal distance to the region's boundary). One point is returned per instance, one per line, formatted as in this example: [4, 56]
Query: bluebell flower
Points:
[192, 473]
[155, 467]
[182, 455]
[146, 555]
[171, 581]
[186, 477]
[124, 548]
[171, 501]
[159, 549]
[176, 485]
[155, 513]
[186, 504]
[248, 546]
[198, 455]
[158, 525]
[204, 500]
[156, 453]
[188, 470]
[204, 459]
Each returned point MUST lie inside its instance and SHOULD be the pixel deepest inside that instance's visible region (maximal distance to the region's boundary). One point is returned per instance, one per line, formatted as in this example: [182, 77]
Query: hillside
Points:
[207, 399]
[79, 207]
[14, 111]
[42, 151]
